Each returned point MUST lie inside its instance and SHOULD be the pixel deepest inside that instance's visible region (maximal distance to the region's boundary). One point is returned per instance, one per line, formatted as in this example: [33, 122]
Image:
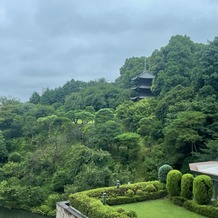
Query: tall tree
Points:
[131, 68]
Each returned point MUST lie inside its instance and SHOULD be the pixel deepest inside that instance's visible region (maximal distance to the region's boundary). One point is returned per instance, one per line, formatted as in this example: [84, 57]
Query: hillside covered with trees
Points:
[84, 135]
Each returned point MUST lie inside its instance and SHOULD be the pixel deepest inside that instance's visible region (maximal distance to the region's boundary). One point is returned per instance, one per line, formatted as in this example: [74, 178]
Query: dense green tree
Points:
[176, 96]
[127, 146]
[209, 152]
[59, 180]
[92, 176]
[130, 113]
[73, 101]
[183, 135]
[84, 116]
[48, 121]
[3, 149]
[104, 115]
[131, 68]
[35, 98]
[105, 133]
[173, 64]
[210, 67]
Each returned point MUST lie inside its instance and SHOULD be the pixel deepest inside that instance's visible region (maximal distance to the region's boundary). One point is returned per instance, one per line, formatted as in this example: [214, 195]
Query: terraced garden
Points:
[159, 208]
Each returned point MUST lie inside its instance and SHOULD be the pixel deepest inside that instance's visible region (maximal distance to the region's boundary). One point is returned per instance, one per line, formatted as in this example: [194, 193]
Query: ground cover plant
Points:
[158, 208]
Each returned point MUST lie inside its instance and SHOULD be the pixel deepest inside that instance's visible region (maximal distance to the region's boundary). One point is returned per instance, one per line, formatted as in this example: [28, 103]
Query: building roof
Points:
[137, 97]
[144, 75]
[209, 168]
[141, 87]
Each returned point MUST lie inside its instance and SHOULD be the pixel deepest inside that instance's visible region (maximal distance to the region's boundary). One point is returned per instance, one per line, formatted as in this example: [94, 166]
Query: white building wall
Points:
[63, 210]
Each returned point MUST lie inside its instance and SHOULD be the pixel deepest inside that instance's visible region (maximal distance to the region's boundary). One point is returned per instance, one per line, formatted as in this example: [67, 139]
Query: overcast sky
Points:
[45, 43]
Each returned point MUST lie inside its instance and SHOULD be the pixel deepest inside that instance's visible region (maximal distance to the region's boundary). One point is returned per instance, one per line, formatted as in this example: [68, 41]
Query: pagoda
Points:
[142, 86]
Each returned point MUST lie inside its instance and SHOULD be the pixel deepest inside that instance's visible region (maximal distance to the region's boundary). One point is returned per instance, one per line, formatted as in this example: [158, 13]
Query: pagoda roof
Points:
[137, 97]
[141, 87]
[144, 75]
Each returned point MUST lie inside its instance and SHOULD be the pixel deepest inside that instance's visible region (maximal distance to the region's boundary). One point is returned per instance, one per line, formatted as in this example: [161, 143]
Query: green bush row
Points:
[136, 198]
[89, 202]
[200, 187]
[205, 210]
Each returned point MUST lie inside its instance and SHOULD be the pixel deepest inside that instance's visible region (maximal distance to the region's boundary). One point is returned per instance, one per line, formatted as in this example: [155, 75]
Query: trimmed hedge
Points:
[89, 202]
[203, 189]
[163, 171]
[174, 182]
[205, 210]
[187, 186]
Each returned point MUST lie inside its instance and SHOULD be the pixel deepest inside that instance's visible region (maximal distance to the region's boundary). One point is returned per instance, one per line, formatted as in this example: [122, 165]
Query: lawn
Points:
[159, 208]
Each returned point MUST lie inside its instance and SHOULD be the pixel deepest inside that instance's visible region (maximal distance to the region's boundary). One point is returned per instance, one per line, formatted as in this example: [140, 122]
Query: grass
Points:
[159, 208]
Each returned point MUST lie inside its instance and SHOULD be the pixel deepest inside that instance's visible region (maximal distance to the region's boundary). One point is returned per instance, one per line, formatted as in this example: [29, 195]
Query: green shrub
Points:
[174, 182]
[163, 171]
[187, 186]
[129, 193]
[178, 200]
[44, 209]
[159, 185]
[53, 199]
[139, 192]
[205, 210]
[131, 214]
[120, 210]
[14, 157]
[89, 202]
[203, 189]
[150, 188]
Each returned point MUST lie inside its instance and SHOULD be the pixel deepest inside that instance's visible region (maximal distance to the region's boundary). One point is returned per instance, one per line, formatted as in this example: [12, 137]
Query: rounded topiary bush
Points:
[131, 214]
[187, 186]
[139, 192]
[150, 188]
[129, 193]
[203, 189]
[174, 182]
[163, 171]
[120, 210]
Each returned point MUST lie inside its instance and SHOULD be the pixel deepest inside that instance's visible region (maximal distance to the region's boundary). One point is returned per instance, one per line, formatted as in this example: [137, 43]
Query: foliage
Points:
[3, 149]
[163, 171]
[183, 134]
[187, 186]
[88, 202]
[209, 152]
[129, 193]
[172, 65]
[131, 68]
[14, 157]
[86, 135]
[203, 189]
[174, 182]
[127, 146]
[205, 210]
[150, 188]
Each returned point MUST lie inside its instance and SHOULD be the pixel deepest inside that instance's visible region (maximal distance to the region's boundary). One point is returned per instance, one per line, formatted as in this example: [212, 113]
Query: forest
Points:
[84, 135]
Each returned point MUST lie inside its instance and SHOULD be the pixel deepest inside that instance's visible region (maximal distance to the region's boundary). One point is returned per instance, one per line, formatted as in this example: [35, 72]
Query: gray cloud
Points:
[45, 43]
